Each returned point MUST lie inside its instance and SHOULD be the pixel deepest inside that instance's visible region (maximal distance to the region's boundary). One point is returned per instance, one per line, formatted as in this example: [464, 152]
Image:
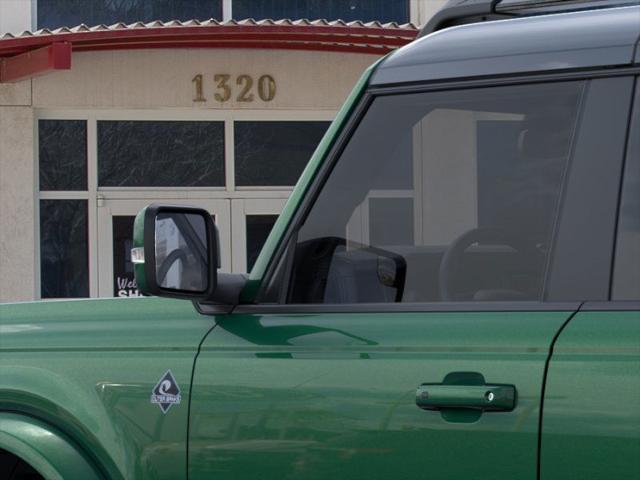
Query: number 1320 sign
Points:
[242, 87]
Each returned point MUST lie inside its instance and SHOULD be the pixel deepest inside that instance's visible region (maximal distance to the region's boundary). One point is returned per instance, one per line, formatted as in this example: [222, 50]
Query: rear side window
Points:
[626, 273]
[441, 196]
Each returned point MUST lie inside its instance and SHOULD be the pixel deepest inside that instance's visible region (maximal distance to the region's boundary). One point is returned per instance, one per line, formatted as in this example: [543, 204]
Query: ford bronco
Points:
[452, 290]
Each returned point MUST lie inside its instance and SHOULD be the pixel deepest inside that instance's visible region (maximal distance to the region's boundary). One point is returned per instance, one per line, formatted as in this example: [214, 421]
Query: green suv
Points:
[452, 290]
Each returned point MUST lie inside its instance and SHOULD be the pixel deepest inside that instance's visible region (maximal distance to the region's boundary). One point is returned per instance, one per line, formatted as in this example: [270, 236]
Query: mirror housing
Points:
[175, 252]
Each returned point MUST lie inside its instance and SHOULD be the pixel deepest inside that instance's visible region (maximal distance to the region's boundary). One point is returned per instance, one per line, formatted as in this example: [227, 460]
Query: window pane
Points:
[124, 282]
[364, 10]
[64, 254]
[258, 229]
[62, 150]
[391, 221]
[626, 278]
[274, 153]
[160, 154]
[60, 13]
[475, 221]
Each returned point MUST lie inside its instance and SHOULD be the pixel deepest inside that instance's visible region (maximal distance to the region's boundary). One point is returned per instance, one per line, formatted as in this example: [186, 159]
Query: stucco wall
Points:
[163, 78]
[15, 16]
[423, 10]
[17, 193]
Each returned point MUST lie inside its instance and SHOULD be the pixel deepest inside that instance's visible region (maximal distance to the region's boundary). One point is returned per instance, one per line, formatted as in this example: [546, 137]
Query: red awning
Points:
[31, 53]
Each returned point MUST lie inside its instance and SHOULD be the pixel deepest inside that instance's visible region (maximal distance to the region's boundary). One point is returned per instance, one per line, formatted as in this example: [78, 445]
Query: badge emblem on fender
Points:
[166, 392]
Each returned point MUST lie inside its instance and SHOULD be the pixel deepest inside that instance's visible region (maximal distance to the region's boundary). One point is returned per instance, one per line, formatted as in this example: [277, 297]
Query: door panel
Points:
[591, 421]
[333, 395]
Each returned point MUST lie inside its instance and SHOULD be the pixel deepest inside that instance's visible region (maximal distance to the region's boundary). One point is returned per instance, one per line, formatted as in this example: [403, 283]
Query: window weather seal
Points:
[433, 307]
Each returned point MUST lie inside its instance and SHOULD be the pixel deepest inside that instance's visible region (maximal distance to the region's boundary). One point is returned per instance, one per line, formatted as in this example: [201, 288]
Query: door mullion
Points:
[92, 186]
[239, 236]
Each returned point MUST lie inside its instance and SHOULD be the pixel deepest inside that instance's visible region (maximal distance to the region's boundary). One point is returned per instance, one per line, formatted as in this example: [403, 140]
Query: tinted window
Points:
[62, 151]
[626, 278]
[476, 220]
[258, 229]
[364, 10]
[274, 153]
[124, 282]
[60, 13]
[64, 254]
[160, 154]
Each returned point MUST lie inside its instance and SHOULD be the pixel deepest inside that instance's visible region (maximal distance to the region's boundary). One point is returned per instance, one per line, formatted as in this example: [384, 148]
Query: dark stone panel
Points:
[274, 153]
[64, 249]
[160, 154]
[258, 229]
[62, 149]
[59, 13]
[348, 10]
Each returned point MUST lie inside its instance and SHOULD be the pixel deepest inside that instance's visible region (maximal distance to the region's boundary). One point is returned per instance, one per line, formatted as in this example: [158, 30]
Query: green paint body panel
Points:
[87, 368]
[591, 421]
[317, 396]
[49, 452]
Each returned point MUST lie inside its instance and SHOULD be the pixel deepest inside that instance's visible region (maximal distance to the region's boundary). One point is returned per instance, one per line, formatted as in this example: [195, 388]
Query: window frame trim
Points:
[363, 308]
[580, 207]
[632, 138]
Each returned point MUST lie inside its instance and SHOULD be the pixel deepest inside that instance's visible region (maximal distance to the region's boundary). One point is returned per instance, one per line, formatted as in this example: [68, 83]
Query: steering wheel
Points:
[452, 259]
[167, 263]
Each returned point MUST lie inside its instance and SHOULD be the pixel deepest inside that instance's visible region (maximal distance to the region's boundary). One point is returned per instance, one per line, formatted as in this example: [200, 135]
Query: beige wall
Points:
[17, 193]
[423, 10]
[163, 78]
[15, 16]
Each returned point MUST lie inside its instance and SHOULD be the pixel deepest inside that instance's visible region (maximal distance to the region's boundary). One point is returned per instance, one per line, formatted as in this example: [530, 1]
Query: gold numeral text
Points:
[199, 95]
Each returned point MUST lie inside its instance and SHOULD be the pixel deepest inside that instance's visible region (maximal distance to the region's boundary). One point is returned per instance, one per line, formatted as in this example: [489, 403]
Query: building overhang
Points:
[33, 53]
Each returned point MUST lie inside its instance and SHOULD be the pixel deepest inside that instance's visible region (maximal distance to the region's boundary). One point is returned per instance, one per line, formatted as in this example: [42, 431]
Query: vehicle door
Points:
[403, 327]
[591, 422]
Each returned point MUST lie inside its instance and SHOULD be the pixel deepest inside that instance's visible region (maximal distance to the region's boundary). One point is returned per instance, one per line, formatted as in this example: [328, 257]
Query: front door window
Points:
[441, 196]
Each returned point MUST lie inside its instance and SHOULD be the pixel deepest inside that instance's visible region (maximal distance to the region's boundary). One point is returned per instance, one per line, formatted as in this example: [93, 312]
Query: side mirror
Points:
[175, 252]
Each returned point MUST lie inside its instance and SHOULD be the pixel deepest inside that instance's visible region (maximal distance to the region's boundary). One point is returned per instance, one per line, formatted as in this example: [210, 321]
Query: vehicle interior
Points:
[440, 196]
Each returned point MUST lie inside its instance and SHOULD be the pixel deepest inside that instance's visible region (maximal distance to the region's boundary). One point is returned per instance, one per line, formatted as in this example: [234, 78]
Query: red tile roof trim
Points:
[56, 56]
[319, 35]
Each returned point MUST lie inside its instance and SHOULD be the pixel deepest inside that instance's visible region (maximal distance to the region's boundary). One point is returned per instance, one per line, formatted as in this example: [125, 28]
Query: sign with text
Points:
[241, 88]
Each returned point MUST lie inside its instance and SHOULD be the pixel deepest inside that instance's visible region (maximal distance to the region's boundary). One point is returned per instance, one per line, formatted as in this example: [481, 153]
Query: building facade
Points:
[173, 102]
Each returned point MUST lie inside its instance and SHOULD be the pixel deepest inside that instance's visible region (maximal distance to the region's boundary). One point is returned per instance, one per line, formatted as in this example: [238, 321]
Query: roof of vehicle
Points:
[543, 43]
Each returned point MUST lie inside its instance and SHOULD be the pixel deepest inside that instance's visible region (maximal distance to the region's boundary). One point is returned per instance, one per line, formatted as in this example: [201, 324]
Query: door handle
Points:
[463, 396]
[488, 398]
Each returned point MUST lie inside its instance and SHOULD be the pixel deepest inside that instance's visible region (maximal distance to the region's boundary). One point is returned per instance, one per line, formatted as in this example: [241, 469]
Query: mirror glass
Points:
[181, 251]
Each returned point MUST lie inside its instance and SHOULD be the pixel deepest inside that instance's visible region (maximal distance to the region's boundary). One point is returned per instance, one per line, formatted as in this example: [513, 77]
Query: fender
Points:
[44, 448]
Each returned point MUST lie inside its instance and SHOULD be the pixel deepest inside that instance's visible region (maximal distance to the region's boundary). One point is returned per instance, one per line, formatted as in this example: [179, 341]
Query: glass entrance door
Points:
[115, 233]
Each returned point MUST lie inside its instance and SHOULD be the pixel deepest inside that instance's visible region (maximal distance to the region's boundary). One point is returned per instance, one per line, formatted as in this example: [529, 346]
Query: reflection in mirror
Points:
[181, 251]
